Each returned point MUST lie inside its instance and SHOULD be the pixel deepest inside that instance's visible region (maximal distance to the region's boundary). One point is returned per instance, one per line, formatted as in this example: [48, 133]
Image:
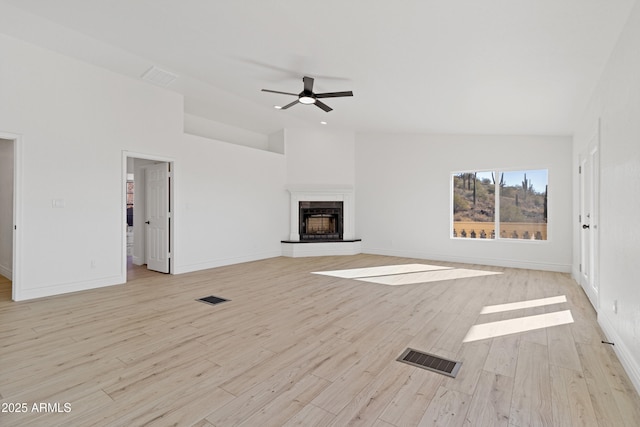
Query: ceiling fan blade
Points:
[290, 105]
[333, 94]
[324, 106]
[308, 83]
[276, 91]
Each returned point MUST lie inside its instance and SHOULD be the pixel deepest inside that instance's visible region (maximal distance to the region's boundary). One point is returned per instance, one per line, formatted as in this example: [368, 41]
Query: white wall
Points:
[275, 141]
[76, 120]
[403, 196]
[6, 208]
[232, 202]
[321, 157]
[616, 103]
[201, 126]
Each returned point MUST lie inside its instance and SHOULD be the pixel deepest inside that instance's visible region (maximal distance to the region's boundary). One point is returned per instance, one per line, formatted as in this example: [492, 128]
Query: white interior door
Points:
[589, 180]
[157, 217]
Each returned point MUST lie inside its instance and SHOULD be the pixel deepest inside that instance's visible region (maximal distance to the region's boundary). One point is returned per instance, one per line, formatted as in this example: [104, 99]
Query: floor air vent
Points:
[430, 362]
[212, 300]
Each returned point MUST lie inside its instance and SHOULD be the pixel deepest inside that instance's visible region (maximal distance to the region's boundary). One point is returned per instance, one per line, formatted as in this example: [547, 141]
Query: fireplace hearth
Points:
[322, 223]
[321, 220]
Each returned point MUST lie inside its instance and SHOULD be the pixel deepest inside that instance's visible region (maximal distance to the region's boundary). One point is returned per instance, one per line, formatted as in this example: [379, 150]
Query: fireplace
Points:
[321, 215]
[321, 220]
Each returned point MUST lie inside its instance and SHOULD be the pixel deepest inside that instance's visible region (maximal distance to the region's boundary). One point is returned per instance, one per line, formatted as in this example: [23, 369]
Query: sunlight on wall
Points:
[406, 274]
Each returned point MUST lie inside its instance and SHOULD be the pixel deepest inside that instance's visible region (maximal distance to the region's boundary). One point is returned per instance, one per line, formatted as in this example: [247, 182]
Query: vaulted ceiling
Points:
[419, 66]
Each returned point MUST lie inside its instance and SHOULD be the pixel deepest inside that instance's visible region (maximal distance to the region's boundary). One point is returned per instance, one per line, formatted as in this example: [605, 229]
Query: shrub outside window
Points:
[500, 205]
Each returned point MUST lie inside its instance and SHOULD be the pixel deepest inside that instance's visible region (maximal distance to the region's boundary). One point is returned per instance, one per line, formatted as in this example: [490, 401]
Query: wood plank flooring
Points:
[292, 348]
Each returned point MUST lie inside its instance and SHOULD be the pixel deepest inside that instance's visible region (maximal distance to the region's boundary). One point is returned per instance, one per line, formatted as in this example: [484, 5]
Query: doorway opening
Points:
[147, 215]
[9, 215]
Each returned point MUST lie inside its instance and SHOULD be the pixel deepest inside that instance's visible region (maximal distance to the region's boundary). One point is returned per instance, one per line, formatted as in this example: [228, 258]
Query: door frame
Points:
[16, 267]
[123, 204]
[591, 154]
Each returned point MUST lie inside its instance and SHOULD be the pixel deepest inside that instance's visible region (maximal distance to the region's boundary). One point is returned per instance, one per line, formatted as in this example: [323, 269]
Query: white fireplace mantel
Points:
[342, 194]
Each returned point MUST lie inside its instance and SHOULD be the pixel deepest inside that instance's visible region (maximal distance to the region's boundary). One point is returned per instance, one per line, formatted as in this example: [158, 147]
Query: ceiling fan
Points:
[307, 96]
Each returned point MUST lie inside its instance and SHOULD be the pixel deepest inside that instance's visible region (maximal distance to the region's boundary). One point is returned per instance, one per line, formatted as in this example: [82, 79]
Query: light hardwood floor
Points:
[295, 348]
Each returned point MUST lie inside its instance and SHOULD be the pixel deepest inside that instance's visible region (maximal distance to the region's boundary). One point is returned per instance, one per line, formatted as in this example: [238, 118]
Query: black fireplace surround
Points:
[321, 221]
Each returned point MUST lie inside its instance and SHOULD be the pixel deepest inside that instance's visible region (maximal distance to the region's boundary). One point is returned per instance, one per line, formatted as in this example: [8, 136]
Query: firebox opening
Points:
[321, 221]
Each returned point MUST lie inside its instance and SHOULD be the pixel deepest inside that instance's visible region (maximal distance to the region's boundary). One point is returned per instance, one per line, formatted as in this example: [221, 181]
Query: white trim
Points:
[220, 262]
[575, 274]
[624, 355]
[63, 288]
[496, 262]
[298, 250]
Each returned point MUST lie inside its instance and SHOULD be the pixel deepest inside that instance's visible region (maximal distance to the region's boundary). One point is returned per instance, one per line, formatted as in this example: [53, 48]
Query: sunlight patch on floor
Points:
[384, 270]
[426, 277]
[406, 274]
[520, 324]
[523, 304]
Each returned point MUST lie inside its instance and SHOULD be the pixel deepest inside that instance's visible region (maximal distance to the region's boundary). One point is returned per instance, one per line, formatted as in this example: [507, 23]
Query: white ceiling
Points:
[419, 66]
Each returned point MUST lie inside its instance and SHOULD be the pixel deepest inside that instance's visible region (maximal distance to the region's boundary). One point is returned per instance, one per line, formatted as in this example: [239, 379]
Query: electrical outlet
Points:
[93, 263]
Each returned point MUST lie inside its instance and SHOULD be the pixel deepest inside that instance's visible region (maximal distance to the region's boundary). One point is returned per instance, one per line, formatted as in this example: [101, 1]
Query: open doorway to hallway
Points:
[148, 216]
[8, 214]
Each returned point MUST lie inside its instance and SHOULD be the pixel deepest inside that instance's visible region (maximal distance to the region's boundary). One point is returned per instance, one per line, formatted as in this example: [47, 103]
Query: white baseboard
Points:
[6, 272]
[496, 262]
[309, 249]
[64, 288]
[221, 262]
[629, 362]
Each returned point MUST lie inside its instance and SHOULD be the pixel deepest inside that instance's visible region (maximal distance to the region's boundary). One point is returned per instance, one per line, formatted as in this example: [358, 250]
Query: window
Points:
[523, 205]
[500, 205]
[474, 205]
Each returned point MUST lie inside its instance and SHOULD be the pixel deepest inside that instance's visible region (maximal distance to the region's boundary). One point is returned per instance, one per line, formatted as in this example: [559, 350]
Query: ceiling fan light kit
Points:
[307, 100]
[308, 97]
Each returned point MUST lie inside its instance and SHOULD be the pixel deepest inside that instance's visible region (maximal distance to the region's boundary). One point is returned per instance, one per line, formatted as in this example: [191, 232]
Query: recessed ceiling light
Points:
[323, 123]
[277, 107]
